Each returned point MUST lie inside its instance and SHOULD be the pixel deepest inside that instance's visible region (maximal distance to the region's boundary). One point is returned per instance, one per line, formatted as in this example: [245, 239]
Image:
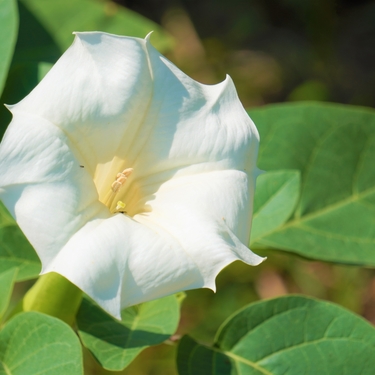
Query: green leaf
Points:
[334, 148]
[62, 17]
[7, 280]
[34, 43]
[115, 344]
[289, 335]
[33, 343]
[8, 36]
[15, 250]
[276, 196]
[34, 48]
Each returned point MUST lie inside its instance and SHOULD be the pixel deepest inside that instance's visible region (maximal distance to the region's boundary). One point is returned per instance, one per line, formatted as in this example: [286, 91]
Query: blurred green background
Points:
[275, 51]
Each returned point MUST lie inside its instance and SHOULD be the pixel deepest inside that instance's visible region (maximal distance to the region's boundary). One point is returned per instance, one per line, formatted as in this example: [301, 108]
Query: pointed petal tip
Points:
[148, 36]
[253, 259]
[211, 286]
[259, 261]
[210, 282]
[90, 35]
[77, 34]
[228, 78]
[228, 81]
[9, 107]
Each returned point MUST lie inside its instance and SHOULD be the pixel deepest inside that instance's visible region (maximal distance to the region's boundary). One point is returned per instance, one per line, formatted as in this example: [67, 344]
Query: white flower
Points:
[128, 177]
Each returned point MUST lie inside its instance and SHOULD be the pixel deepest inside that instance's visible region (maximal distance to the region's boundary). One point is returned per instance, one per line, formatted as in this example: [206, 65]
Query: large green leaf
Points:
[34, 47]
[276, 196]
[33, 343]
[15, 250]
[62, 17]
[115, 344]
[7, 280]
[8, 36]
[285, 336]
[334, 148]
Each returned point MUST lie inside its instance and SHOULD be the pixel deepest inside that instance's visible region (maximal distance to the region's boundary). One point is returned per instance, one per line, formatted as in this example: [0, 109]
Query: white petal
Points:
[43, 185]
[114, 102]
[97, 93]
[120, 262]
[209, 213]
[182, 244]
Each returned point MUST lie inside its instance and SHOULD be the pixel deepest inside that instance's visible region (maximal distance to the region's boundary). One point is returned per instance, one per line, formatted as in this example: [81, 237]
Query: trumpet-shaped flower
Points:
[129, 178]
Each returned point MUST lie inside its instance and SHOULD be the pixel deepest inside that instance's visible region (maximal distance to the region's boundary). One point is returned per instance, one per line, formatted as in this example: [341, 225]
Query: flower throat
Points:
[115, 188]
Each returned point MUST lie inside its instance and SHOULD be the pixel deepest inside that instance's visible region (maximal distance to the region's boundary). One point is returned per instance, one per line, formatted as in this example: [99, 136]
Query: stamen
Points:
[116, 186]
[128, 171]
[121, 179]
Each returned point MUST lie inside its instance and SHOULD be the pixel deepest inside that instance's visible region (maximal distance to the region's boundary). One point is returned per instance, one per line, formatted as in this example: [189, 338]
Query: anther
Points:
[121, 179]
[127, 172]
[116, 186]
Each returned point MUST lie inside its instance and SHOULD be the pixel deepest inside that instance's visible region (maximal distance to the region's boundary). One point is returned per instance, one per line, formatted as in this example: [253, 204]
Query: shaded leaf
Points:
[334, 148]
[290, 335]
[8, 36]
[34, 48]
[34, 42]
[62, 17]
[15, 250]
[115, 344]
[33, 343]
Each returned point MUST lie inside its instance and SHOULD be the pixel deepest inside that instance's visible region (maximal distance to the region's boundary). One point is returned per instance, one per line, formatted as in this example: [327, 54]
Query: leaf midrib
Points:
[330, 208]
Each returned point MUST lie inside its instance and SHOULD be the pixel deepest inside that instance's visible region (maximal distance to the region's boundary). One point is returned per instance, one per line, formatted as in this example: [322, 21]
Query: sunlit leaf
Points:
[33, 343]
[285, 336]
[276, 196]
[334, 148]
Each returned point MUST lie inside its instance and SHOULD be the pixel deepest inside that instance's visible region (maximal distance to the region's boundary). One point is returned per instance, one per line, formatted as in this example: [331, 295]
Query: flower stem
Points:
[54, 295]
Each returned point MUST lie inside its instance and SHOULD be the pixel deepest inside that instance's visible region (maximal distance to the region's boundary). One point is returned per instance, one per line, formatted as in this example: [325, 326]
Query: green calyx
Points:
[54, 295]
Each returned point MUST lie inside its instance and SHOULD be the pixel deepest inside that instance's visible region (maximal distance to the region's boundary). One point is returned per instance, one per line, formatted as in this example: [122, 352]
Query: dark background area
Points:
[275, 50]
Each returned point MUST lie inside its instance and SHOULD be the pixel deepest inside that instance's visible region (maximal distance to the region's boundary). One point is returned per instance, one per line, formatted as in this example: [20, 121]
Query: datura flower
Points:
[128, 177]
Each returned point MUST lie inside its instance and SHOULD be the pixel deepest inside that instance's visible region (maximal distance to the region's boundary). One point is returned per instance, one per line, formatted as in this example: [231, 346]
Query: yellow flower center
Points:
[116, 186]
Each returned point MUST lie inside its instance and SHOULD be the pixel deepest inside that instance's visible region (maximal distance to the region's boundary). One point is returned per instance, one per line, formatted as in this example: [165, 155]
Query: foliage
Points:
[34, 343]
[316, 199]
[288, 335]
[333, 148]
